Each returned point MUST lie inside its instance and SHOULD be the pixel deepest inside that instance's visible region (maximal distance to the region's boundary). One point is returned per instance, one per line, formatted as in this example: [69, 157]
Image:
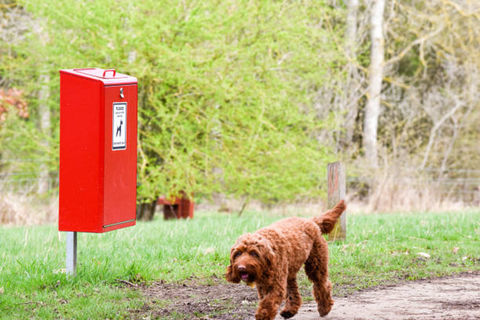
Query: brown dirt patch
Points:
[198, 301]
[456, 297]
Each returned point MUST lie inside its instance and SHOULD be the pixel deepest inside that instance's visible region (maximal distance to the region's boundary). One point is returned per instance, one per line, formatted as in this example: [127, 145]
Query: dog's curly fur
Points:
[271, 257]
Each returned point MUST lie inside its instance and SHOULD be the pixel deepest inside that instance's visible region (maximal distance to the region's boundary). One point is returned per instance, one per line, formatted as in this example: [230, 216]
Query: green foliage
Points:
[224, 86]
[23, 149]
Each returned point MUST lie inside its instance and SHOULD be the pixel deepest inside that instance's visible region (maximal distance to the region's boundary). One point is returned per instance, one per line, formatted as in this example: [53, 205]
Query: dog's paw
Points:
[264, 315]
[287, 314]
[325, 309]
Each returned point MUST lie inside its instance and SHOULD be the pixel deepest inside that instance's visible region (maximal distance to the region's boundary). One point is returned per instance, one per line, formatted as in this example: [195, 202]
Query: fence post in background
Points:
[336, 192]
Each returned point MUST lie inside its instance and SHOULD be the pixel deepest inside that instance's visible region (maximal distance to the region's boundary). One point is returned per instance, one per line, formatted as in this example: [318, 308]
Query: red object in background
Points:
[15, 98]
[98, 150]
[177, 208]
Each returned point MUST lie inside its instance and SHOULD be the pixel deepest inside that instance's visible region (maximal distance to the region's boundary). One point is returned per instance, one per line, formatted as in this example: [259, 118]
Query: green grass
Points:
[385, 248]
[379, 249]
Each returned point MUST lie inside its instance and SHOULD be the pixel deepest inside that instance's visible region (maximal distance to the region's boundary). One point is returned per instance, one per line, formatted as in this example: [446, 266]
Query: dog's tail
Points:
[327, 221]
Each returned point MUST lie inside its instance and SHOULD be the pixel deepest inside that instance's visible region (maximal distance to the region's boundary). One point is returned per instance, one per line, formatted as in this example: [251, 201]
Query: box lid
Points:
[107, 76]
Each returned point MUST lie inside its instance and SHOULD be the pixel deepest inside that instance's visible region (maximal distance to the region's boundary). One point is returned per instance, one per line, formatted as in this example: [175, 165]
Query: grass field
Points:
[379, 249]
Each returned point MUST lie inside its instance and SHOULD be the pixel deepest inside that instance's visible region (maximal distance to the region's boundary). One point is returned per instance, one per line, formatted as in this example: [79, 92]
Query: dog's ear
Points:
[269, 264]
[270, 259]
[230, 276]
[267, 254]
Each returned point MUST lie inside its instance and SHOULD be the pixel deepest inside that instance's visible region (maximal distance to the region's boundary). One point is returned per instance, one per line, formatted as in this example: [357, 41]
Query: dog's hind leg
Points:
[316, 268]
[293, 301]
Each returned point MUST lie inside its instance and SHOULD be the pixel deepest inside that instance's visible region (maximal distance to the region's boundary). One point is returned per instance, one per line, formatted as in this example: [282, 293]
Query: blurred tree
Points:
[249, 98]
[20, 138]
[352, 87]
[225, 87]
[429, 84]
[372, 108]
[432, 65]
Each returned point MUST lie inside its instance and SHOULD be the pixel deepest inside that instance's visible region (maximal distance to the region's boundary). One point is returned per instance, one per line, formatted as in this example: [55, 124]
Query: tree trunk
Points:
[372, 109]
[351, 51]
[45, 124]
[146, 210]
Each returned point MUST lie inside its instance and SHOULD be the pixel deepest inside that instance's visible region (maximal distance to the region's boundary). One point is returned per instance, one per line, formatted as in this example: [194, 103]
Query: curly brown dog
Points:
[271, 257]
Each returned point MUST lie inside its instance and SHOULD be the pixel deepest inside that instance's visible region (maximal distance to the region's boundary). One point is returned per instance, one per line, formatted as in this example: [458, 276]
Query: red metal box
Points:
[98, 150]
[176, 208]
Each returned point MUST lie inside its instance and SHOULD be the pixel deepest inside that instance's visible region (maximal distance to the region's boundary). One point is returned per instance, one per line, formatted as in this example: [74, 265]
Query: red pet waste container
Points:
[98, 150]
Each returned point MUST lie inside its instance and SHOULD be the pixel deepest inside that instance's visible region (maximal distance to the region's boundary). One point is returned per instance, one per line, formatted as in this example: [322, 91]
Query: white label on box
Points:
[119, 137]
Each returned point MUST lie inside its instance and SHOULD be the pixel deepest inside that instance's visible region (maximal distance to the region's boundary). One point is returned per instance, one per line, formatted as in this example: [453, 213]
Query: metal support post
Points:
[72, 253]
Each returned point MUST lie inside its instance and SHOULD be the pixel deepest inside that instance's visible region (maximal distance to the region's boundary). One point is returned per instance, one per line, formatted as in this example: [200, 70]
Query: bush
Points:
[226, 88]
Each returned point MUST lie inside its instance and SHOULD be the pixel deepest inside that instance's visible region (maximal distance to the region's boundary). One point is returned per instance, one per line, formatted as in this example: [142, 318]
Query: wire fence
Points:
[462, 185]
[460, 189]
[25, 175]
[455, 185]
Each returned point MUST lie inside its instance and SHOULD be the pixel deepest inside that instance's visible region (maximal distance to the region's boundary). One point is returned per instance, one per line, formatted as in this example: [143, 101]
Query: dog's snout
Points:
[242, 268]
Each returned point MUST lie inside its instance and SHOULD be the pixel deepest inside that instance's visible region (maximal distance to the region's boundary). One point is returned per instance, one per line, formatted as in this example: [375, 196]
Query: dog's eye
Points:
[236, 255]
[254, 254]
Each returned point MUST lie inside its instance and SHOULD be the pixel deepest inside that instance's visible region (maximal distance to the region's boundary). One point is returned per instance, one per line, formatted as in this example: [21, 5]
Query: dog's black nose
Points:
[242, 268]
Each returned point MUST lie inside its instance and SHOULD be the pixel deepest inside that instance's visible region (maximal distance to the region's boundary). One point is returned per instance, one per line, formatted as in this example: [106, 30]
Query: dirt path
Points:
[455, 298]
[450, 298]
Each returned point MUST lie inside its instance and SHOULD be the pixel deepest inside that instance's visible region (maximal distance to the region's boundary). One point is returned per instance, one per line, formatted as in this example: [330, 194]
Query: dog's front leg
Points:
[269, 304]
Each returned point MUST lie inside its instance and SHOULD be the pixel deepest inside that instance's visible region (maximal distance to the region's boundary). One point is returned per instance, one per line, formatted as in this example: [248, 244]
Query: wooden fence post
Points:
[336, 192]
